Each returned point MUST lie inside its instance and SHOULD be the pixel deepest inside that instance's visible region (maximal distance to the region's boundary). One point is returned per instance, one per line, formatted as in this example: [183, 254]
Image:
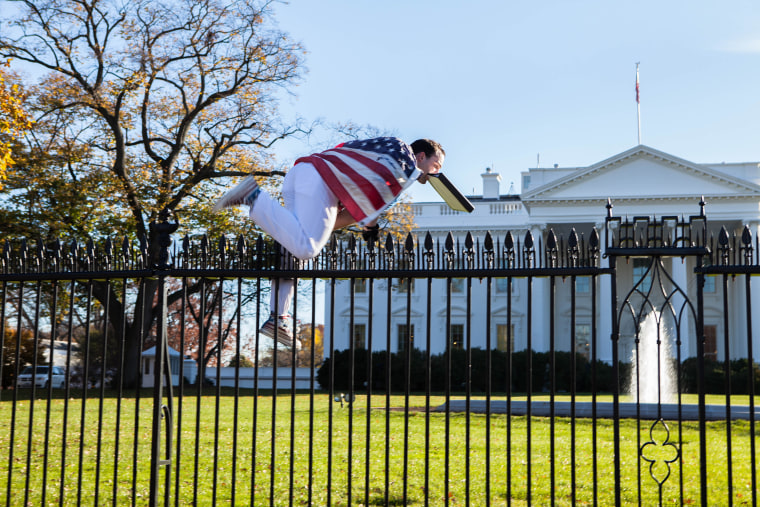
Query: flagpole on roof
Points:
[638, 103]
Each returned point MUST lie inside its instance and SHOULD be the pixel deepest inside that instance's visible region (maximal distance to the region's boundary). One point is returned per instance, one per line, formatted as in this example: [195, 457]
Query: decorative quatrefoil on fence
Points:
[659, 452]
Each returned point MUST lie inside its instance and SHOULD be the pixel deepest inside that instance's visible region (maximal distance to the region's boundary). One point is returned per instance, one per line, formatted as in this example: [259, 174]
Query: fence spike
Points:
[528, 243]
[723, 236]
[409, 243]
[746, 236]
[448, 245]
[125, 251]
[509, 242]
[572, 241]
[488, 242]
[428, 242]
[389, 243]
[551, 241]
[90, 249]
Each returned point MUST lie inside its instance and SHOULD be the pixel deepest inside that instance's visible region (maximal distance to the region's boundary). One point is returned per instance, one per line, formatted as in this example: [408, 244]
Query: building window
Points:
[583, 284]
[457, 285]
[405, 336]
[711, 342]
[360, 286]
[525, 182]
[359, 336]
[583, 340]
[502, 285]
[640, 268]
[405, 284]
[709, 287]
[457, 336]
[503, 337]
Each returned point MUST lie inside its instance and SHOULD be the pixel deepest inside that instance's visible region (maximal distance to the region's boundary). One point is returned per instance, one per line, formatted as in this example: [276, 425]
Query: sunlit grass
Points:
[316, 448]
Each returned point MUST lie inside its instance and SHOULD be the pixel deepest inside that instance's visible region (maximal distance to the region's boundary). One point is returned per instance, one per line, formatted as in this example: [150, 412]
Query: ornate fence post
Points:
[160, 232]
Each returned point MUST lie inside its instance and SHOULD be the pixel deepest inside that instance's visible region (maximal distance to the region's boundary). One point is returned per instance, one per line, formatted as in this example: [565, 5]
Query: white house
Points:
[641, 181]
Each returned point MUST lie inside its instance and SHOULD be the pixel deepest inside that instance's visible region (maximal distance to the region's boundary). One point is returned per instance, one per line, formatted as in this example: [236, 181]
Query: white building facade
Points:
[641, 181]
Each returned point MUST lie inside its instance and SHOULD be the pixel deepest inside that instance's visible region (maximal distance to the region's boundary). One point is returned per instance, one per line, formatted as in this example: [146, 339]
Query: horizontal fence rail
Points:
[437, 369]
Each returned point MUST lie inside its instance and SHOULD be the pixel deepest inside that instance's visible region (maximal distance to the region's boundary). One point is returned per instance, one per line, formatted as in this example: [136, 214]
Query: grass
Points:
[489, 459]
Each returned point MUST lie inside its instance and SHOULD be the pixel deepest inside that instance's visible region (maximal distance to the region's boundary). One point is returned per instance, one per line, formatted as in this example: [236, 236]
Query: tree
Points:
[149, 103]
[25, 346]
[242, 362]
[13, 118]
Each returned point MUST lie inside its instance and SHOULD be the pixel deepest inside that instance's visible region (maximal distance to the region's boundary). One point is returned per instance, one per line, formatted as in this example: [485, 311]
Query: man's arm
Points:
[345, 219]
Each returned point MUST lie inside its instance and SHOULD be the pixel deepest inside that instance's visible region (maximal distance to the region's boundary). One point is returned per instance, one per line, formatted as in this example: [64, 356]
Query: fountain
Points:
[655, 363]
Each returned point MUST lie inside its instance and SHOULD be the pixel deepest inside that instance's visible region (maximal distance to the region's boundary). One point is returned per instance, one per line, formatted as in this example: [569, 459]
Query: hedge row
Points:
[541, 377]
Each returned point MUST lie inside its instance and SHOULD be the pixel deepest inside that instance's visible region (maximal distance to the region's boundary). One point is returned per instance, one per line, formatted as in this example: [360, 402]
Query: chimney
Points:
[490, 184]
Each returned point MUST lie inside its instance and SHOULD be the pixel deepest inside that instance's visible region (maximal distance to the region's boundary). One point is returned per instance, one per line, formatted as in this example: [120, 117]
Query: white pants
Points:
[303, 226]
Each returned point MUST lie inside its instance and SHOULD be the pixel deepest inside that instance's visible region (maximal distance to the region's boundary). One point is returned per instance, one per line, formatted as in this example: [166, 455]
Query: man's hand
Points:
[371, 233]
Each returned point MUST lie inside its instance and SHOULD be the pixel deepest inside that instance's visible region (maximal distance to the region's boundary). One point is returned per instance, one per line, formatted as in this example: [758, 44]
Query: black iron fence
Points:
[593, 367]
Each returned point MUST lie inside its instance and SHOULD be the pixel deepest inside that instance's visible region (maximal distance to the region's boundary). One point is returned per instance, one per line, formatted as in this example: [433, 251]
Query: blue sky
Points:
[503, 84]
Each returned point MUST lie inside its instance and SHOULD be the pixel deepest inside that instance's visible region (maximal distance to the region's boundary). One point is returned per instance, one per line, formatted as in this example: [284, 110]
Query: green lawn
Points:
[214, 475]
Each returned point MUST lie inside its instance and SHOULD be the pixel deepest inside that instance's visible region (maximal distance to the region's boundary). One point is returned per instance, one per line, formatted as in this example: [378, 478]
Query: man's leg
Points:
[303, 227]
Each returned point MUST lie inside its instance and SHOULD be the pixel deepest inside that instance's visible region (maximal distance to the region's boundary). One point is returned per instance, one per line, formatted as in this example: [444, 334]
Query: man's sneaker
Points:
[244, 192]
[284, 332]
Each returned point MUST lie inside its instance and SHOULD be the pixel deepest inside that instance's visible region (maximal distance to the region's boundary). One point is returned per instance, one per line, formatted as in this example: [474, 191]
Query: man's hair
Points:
[427, 146]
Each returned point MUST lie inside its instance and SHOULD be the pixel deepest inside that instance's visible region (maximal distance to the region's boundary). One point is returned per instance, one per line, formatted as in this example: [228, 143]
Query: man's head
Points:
[429, 157]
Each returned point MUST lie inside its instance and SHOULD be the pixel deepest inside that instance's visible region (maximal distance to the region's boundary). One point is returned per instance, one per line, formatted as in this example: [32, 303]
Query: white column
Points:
[540, 301]
[603, 299]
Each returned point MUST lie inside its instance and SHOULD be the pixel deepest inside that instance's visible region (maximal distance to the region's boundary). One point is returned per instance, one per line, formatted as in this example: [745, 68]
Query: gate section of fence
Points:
[526, 368]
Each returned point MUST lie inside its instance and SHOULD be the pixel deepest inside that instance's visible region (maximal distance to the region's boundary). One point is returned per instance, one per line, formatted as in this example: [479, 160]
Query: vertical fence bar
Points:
[103, 369]
[727, 376]
[30, 429]
[701, 385]
[236, 402]
[552, 391]
[311, 390]
[614, 338]
[158, 414]
[215, 307]
[331, 393]
[594, 366]
[447, 432]
[508, 379]
[573, 381]
[386, 471]
[488, 391]
[83, 413]
[751, 361]
[14, 407]
[351, 377]
[51, 363]
[368, 422]
[65, 424]
[276, 311]
[428, 380]
[408, 346]
[529, 259]
[256, 360]
[181, 394]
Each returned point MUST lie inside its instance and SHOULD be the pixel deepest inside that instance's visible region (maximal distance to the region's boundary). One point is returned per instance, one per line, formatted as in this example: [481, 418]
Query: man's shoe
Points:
[284, 332]
[244, 192]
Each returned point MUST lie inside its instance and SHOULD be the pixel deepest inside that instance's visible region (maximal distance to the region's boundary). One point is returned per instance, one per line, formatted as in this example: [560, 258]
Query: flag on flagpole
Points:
[638, 103]
[637, 84]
